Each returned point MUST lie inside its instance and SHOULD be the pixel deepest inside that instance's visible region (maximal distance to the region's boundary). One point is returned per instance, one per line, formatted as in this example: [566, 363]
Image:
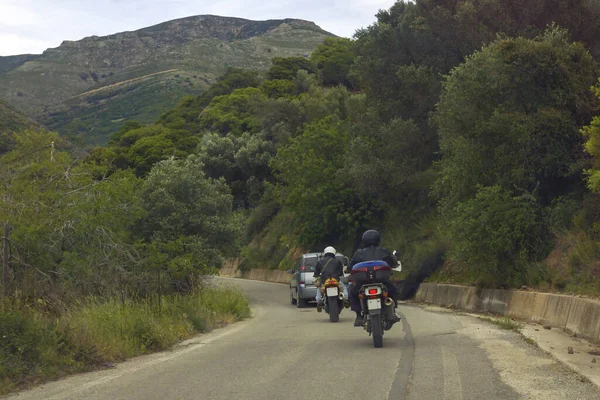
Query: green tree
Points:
[278, 88]
[324, 207]
[385, 160]
[287, 67]
[185, 115]
[189, 225]
[243, 162]
[333, 59]
[510, 116]
[164, 143]
[592, 132]
[233, 113]
[496, 235]
[181, 200]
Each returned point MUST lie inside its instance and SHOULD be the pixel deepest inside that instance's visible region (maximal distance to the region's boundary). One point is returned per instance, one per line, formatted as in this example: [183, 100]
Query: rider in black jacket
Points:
[371, 252]
[329, 267]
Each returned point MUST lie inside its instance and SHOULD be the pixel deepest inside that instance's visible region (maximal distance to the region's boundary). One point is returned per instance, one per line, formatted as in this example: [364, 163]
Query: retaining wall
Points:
[230, 270]
[572, 314]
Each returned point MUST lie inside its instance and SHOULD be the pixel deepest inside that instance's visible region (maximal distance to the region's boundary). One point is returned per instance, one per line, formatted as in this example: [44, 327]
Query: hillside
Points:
[86, 88]
[11, 121]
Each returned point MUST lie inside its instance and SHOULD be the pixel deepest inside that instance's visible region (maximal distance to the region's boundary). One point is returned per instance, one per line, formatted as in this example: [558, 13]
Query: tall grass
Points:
[35, 345]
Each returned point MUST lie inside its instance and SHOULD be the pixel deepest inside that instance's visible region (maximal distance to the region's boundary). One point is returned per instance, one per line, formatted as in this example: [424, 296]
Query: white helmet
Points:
[329, 250]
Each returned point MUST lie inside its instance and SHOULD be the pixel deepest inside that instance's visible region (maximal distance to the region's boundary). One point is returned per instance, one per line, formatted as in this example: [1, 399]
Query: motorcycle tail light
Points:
[382, 268]
[372, 291]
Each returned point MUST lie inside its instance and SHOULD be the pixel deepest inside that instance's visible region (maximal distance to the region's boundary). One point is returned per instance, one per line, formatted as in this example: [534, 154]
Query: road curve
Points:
[297, 354]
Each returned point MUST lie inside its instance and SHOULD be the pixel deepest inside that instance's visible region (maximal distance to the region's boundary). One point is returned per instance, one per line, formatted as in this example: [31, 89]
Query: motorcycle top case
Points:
[371, 272]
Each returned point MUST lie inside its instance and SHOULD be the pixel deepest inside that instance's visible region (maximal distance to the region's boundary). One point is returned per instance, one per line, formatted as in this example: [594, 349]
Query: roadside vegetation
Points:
[38, 345]
[101, 266]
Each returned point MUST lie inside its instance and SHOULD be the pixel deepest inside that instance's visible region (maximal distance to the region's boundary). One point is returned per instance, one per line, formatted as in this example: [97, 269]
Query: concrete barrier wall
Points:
[267, 275]
[230, 270]
[572, 314]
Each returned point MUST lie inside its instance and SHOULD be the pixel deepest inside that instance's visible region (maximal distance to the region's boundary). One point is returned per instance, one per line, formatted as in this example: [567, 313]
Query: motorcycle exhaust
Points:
[389, 302]
[341, 296]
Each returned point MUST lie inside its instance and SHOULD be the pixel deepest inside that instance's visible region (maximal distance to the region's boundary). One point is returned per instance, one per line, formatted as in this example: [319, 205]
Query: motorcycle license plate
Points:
[332, 291]
[374, 304]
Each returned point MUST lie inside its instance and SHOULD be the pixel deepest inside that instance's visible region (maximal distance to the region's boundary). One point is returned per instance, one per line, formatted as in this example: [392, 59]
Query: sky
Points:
[31, 26]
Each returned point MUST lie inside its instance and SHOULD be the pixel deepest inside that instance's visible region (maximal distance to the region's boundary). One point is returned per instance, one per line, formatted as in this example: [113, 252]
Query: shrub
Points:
[497, 235]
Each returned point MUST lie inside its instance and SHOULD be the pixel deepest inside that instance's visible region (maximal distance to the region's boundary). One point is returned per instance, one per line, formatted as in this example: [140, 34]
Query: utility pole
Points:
[5, 249]
[159, 292]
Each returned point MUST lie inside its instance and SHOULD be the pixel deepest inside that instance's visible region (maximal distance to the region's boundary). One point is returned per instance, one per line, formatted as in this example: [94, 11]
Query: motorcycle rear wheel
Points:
[377, 331]
[334, 309]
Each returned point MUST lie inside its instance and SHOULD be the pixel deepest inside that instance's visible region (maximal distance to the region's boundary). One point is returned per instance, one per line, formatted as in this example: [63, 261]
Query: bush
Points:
[497, 235]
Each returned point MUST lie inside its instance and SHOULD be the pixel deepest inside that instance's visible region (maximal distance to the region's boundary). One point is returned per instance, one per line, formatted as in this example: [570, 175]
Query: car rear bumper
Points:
[307, 292]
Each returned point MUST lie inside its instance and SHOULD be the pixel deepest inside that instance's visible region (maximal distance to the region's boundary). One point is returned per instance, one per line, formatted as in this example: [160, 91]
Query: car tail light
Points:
[373, 291]
[303, 268]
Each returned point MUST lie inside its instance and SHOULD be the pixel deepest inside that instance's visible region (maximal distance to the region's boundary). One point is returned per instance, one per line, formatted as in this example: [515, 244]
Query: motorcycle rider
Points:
[329, 267]
[371, 251]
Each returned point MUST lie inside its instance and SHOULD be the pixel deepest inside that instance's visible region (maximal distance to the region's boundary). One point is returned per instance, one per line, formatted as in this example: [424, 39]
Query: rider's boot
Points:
[320, 305]
[390, 316]
[359, 321]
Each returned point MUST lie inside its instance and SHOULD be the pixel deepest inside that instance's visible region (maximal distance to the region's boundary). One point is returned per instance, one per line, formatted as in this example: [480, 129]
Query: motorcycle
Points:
[373, 295]
[333, 298]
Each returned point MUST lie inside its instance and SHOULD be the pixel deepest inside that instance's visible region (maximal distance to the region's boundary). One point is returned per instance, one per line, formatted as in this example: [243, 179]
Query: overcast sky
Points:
[31, 26]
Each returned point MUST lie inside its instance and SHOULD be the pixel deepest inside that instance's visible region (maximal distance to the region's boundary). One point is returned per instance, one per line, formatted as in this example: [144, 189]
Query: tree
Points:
[496, 235]
[189, 220]
[278, 88]
[185, 115]
[181, 200]
[592, 132]
[162, 144]
[510, 116]
[381, 161]
[233, 113]
[243, 162]
[324, 207]
[415, 42]
[333, 59]
[287, 67]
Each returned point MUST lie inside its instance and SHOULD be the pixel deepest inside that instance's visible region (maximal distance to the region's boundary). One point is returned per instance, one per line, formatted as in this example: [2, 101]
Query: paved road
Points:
[289, 353]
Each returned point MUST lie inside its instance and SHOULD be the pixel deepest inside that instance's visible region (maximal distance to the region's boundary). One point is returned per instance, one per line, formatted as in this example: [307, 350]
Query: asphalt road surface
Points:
[289, 353]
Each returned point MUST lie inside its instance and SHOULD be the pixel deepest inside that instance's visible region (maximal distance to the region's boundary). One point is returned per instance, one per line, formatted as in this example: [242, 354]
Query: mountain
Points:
[85, 89]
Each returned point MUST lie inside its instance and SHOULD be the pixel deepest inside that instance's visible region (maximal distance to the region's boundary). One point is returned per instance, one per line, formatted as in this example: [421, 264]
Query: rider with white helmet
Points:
[329, 267]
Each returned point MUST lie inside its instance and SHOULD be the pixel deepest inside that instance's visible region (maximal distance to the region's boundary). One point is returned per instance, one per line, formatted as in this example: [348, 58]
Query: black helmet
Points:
[371, 238]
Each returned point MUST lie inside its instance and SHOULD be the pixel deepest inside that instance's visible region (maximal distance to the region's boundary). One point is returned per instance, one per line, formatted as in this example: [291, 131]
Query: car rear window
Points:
[309, 264]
